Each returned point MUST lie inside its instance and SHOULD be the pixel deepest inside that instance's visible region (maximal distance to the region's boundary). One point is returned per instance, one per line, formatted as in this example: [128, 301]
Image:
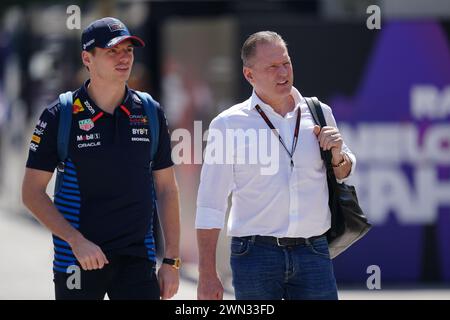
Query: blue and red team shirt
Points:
[107, 191]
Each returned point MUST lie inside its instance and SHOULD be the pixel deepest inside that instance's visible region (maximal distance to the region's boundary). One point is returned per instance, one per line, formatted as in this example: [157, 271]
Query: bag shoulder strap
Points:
[150, 107]
[65, 122]
[317, 113]
[62, 139]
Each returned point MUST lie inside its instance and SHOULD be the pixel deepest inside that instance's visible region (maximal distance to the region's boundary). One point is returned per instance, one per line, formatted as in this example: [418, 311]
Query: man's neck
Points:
[107, 96]
[282, 107]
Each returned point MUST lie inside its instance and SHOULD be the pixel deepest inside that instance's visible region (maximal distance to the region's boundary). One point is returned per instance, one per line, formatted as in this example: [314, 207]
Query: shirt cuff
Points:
[208, 218]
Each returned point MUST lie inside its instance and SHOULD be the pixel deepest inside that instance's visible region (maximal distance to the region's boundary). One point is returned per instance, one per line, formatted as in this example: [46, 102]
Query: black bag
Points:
[348, 222]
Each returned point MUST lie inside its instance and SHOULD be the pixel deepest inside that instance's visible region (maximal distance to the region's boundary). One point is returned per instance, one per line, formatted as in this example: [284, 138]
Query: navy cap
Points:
[106, 33]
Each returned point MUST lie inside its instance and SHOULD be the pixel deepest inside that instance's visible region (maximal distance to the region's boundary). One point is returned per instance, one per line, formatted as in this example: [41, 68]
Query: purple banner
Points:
[397, 123]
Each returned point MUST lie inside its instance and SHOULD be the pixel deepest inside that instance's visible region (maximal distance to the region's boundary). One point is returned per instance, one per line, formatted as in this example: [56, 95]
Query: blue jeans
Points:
[268, 272]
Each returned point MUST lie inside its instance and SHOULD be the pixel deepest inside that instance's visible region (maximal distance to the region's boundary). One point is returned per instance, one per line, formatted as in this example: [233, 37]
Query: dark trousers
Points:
[124, 278]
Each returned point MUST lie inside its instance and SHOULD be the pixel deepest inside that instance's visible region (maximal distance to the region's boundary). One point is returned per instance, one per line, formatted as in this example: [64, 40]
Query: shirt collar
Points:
[93, 109]
[256, 100]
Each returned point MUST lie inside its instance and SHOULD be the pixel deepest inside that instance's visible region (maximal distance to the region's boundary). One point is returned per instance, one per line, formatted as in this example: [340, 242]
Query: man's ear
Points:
[86, 58]
[248, 74]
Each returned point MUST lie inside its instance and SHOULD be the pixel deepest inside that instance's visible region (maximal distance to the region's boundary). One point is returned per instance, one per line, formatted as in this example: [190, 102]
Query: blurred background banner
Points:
[389, 89]
[397, 122]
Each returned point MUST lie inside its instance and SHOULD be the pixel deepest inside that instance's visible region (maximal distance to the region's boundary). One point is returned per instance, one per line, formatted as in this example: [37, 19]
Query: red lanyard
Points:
[275, 132]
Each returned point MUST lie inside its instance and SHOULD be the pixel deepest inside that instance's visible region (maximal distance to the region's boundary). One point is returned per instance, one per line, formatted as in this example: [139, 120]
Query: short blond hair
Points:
[262, 37]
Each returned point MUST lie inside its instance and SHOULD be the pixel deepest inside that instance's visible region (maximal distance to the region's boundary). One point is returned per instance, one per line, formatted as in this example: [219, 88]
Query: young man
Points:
[101, 218]
[277, 221]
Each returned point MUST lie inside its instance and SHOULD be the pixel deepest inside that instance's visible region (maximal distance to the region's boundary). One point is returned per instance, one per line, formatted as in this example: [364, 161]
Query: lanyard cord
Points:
[275, 132]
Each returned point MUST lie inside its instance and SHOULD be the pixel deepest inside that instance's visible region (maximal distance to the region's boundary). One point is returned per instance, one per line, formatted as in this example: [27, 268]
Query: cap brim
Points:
[136, 41]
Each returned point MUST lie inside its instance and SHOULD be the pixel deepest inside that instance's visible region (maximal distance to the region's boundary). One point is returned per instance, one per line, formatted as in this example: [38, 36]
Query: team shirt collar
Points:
[84, 103]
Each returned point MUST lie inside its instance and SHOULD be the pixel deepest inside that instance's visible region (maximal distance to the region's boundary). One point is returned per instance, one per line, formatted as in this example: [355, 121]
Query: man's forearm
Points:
[207, 244]
[45, 211]
[168, 205]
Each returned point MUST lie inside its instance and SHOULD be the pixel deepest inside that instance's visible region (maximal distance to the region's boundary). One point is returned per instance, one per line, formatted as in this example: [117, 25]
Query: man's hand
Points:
[330, 139]
[90, 256]
[169, 280]
[209, 288]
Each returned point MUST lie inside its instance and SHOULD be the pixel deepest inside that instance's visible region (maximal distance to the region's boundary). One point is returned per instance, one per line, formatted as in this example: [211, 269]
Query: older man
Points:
[278, 221]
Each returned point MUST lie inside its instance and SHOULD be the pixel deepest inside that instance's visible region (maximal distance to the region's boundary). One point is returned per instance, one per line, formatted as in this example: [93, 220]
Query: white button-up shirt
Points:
[290, 202]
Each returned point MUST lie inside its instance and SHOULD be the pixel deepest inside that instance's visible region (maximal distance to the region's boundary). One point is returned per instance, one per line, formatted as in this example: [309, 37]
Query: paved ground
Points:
[26, 258]
[26, 262]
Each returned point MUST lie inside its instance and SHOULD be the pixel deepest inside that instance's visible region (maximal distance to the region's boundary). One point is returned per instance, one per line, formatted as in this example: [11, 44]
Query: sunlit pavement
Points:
[26, 264]
[26, 255]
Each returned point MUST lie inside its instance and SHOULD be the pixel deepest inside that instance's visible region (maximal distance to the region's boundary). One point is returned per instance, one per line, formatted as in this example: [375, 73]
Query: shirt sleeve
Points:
[163, 156]
[331, 121]
[42, 154]
[216, 181]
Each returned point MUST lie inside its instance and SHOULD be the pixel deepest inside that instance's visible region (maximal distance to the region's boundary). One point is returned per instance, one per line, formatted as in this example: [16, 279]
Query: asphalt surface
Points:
[26, 268]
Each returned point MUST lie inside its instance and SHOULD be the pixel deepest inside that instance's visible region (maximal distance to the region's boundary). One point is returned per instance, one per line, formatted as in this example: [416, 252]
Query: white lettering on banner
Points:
[386, 152]
[397, 143]
[428, 102]
[387, 190]
[383, 186]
